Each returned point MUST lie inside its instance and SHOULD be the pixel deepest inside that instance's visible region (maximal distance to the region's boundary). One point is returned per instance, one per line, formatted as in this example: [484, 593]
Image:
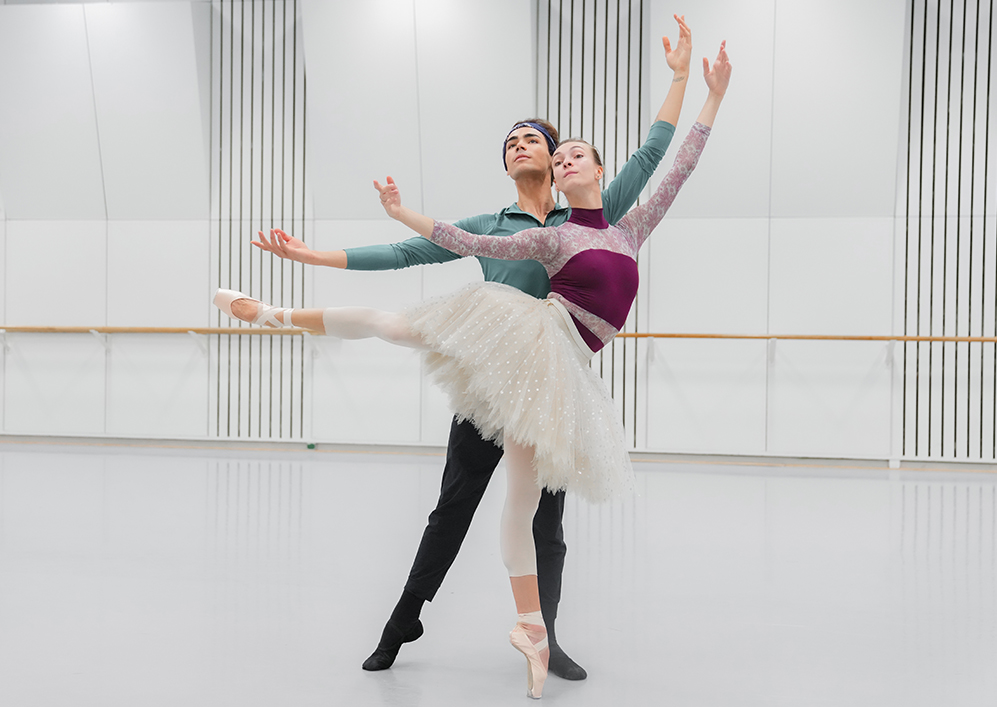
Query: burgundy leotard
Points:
[591, 264]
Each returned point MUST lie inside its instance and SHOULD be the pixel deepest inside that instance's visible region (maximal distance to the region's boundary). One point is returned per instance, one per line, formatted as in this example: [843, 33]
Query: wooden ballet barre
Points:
[815, 337]
[249, 331]
[295, 331]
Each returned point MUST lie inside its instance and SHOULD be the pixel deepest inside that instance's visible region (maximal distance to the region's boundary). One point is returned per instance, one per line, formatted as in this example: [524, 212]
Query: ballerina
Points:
[517, 367]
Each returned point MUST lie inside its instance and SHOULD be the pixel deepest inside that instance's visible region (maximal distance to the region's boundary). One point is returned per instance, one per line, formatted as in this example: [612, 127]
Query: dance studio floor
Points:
[150, 576]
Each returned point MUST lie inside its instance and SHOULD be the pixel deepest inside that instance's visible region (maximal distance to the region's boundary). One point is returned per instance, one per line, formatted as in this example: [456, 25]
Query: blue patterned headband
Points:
[551, 145]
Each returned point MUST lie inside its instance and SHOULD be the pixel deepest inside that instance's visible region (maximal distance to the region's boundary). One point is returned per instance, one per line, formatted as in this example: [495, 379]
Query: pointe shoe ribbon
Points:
[536, 671]
[266, 315]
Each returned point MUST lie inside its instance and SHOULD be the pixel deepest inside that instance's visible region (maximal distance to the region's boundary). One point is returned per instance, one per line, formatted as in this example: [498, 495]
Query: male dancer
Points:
[470, 458]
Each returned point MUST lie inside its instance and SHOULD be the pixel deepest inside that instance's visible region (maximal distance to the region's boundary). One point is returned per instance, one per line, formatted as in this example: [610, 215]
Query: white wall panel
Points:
[836, 121]
[706, 396]
[832, 276]
[54, 384]
[476, 78]
[737, 160]
[830, 398]
[158, 386]
[389, 289]
[364, 391]
[56, 273]
[149, 110]
[708, 276]
[362, 104]
[158, 273]
[49, 153]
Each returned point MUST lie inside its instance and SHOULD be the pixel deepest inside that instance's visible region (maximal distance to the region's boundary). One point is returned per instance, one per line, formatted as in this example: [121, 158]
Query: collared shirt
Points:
[526, 275]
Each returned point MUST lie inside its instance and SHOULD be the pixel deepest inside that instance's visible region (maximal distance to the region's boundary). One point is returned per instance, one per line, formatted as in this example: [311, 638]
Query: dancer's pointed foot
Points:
[531, 641]
[563, 666]
[392, 639]
[240, 306]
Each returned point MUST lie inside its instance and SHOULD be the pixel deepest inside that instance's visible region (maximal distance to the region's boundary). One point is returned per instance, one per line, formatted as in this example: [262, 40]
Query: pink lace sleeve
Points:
[641, 221]
[540, 244]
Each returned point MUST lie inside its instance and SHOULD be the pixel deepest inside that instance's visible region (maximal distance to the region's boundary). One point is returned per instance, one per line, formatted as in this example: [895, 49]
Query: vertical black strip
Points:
[581, 102]
[640, 115]
[945, 222]
[273, 210]
[931, 294]
[910, 120]
[958, 241]
[221, 119]
[986, 191]
[616, 99]
[294, 156]
[972, 223]
[242, 143]
[920, 234]
[549, 42]
[605, 81]
[595, 65]
[560, 61]
[231, 146]
[571, 69]
[252, 170]
[283, 168]
[304, 152]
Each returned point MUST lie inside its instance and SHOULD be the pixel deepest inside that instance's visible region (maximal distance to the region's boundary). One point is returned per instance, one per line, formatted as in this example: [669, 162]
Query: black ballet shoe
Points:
[564, 667]
[392, 639]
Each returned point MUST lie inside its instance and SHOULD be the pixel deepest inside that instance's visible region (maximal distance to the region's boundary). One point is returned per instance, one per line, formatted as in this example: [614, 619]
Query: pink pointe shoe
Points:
[265, 314]
[537, 655]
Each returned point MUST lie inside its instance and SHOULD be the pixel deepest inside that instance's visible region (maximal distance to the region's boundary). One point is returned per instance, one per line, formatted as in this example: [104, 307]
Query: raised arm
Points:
[642, 220]
[678, 61]
[622, 192]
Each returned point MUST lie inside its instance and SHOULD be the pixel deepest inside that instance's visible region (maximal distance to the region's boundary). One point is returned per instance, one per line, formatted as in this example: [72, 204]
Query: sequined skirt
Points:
[514, 365]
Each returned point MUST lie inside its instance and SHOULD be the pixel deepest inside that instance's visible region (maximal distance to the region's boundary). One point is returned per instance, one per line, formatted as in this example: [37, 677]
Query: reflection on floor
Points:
[148, 577]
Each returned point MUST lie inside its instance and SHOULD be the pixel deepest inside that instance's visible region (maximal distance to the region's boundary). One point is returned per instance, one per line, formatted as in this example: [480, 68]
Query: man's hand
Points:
[285, 246]
[391, 198]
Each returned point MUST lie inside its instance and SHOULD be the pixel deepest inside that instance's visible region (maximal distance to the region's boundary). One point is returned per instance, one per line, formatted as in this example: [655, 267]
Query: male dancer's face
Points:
[526, 154]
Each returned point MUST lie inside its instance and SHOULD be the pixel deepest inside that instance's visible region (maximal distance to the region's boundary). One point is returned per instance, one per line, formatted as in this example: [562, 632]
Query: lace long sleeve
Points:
[540, 244]
[641, 221]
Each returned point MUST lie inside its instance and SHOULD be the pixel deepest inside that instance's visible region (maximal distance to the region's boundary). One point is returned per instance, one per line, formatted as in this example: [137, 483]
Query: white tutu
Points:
[511, 366]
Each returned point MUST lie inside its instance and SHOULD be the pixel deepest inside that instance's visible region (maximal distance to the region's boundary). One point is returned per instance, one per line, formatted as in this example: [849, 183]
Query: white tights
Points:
[365, 322]
[522, 496]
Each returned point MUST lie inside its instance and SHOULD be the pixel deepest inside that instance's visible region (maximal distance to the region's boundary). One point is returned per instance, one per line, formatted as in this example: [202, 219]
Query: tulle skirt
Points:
[514, 365]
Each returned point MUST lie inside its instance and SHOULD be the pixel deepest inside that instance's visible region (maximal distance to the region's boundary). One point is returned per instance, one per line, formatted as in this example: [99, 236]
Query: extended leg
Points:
[341, 322]
[470, 463]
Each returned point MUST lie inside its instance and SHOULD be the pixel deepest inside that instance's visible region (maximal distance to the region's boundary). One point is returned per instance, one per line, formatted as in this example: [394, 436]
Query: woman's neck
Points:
[588, 198]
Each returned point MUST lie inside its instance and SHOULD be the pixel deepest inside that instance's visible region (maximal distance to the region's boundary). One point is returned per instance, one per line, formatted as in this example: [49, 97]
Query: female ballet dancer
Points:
[518, 367]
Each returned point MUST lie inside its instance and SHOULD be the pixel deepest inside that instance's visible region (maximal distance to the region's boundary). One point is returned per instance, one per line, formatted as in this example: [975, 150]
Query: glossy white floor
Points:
[133, 576]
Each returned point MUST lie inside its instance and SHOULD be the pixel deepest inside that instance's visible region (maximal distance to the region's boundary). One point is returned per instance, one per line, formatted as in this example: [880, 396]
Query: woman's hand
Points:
[285, 246]
[718, 76]
[391, 198]
[679, 58]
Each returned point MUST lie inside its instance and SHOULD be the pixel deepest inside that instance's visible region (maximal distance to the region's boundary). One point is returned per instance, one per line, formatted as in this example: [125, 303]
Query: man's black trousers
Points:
[470, 463]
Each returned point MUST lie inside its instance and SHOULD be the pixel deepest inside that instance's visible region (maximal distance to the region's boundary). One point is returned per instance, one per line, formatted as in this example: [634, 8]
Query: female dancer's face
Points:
[526, 153]
[575, 167]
